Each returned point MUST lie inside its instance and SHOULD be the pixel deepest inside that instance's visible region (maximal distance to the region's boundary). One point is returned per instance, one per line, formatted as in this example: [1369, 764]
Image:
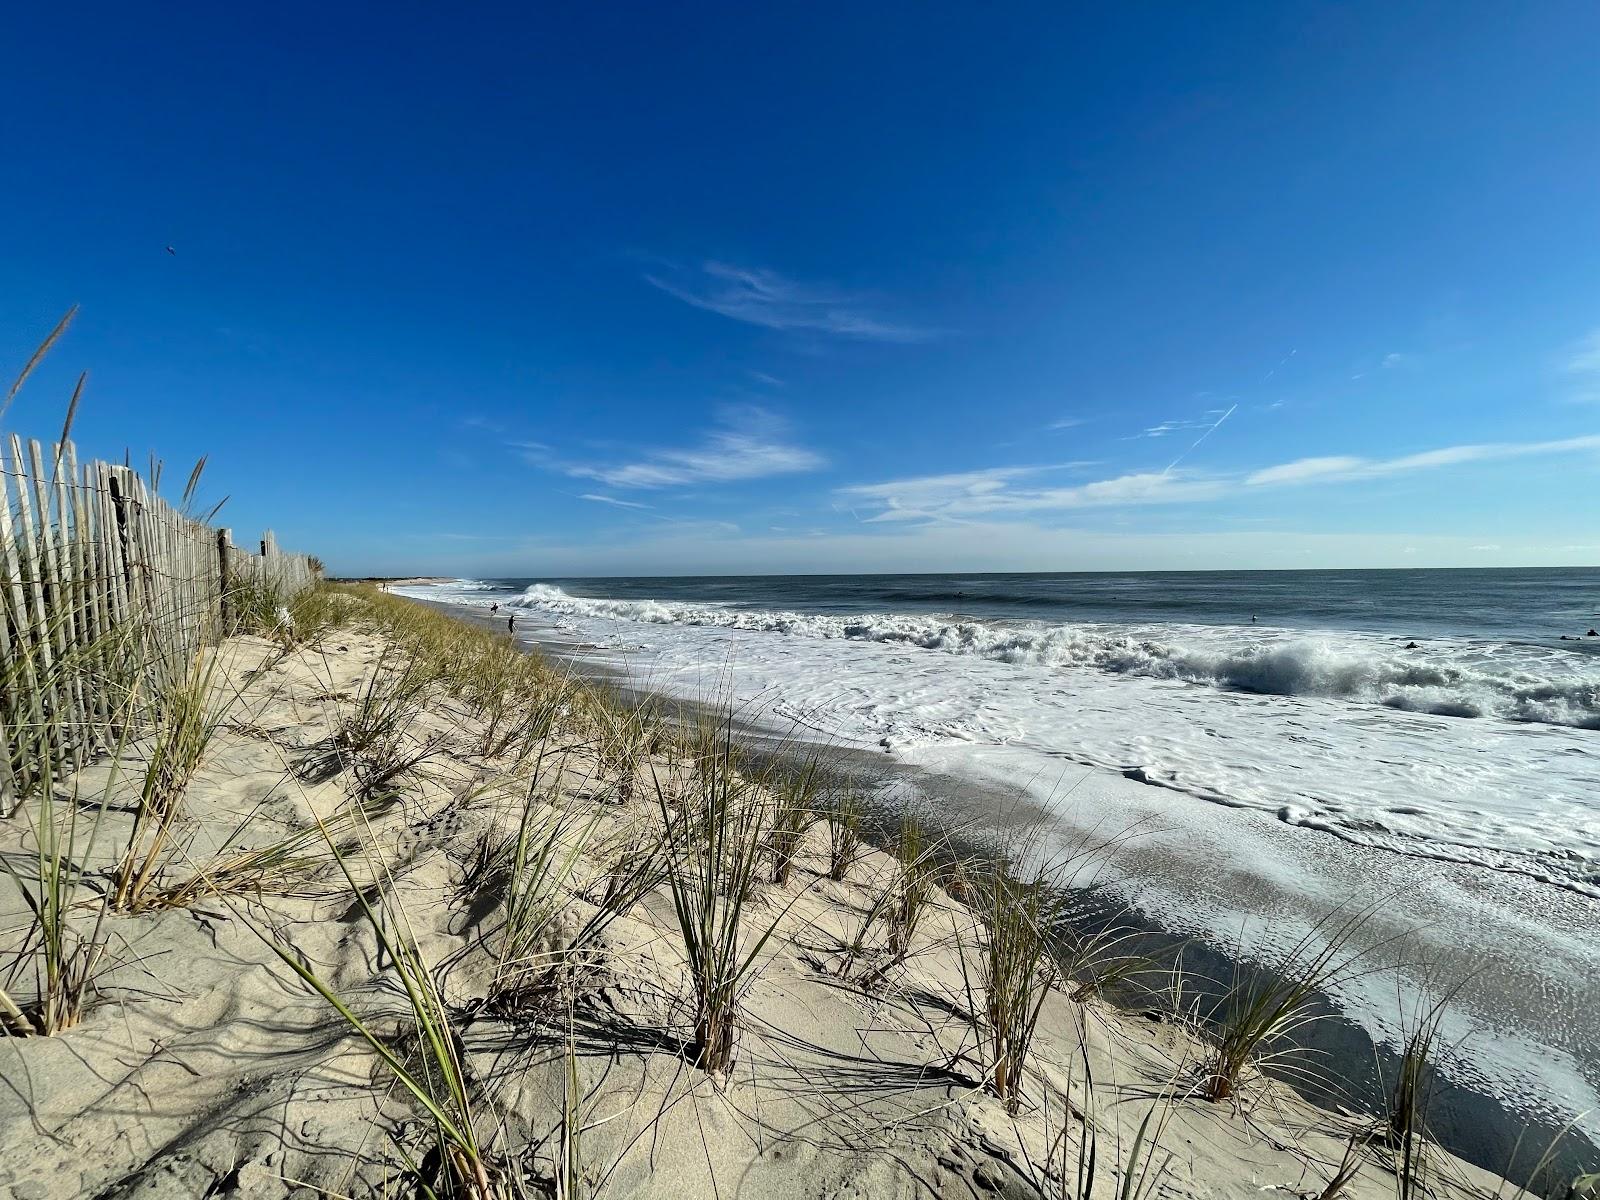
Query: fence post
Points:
[269, 545]
[224, 545]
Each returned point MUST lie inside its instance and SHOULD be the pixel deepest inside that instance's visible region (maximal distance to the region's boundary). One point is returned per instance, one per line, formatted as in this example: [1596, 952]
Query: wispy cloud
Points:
[1584, 366]
[749, 443]
[600, 499]
[1012, 490]
[1343, 468]
[931, 496]
[989, 492]
[773, 301]
[1207, 420]
[1068, 423]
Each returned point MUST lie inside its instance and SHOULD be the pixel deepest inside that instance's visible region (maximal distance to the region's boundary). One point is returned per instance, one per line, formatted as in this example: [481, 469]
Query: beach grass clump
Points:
[538, 863]
[47, 979]
[314, 612]
[1016, 917]
[257, 606]
[434, 1073]
[712, 841]
[1410, 1094]
[915, 878]
[793, 799]
[64, 945]
[1257, 1018]
[185, 715]
[845, 844]
[898, 902]
[622, 738]
[373, 738]
[290, 619]
[513, 698]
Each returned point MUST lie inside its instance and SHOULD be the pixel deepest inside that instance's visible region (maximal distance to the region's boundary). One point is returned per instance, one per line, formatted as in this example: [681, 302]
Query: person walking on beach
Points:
[511, 624]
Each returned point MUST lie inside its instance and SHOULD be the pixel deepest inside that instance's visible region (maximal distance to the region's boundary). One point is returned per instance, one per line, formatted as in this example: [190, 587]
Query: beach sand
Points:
[208, 1068]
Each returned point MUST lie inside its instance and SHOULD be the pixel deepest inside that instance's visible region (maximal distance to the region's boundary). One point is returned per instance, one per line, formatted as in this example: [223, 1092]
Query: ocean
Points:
[1427, 712]
[1287, 741]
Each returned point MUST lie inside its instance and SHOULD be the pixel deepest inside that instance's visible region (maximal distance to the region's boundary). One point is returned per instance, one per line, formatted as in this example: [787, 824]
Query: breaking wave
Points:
[1446, 678]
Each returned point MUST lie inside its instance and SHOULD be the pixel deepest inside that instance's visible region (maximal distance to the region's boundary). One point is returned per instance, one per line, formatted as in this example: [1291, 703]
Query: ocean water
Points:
[1431, 713]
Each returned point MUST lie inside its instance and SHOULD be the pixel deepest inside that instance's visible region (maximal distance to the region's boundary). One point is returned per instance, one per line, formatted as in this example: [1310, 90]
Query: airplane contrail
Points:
[1199, 439]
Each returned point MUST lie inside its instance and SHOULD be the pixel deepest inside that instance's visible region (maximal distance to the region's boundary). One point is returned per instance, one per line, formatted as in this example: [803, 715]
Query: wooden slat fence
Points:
[107, 594]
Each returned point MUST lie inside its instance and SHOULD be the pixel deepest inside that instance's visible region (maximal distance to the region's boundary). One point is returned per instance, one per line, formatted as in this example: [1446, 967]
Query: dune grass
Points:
[1016, 917]
[1404, 1130]
[186, 714]
[712, 839]
[434, 1076]
[538, 863]
[845, 845]
[793, 797]
[65, 947]
[917, 867]
[1256, 1019]
[711, 835]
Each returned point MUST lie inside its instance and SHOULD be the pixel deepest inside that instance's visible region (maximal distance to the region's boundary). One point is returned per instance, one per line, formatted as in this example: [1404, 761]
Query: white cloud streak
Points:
[1584, 365]
[767, 299]
[597, 498]
[1000, 490]
[751, 444]
[1345, 468]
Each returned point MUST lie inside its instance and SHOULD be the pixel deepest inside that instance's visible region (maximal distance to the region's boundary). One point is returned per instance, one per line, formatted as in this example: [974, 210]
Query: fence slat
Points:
[106, 594]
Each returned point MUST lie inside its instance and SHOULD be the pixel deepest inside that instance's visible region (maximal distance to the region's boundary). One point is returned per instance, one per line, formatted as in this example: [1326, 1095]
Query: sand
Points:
[206, 1068]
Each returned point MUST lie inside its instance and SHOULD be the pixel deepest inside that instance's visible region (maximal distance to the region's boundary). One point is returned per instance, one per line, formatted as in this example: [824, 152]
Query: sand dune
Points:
[206, 1067]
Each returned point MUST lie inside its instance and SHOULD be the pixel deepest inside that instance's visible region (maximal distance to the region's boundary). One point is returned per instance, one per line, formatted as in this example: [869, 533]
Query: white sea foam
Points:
[1447, 677]
[1349, 733]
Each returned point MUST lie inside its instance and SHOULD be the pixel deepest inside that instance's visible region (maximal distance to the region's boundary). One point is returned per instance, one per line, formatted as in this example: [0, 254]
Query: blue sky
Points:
[613, 290]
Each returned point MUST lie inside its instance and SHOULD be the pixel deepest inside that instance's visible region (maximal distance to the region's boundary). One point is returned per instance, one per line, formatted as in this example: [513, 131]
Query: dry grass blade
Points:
[38, 357]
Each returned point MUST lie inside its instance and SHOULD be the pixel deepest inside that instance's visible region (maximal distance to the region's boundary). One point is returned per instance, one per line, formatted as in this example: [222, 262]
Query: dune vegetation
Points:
[369, 901]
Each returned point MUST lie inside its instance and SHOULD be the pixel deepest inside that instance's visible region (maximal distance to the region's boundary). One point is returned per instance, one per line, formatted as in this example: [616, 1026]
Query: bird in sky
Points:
[172, 252]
